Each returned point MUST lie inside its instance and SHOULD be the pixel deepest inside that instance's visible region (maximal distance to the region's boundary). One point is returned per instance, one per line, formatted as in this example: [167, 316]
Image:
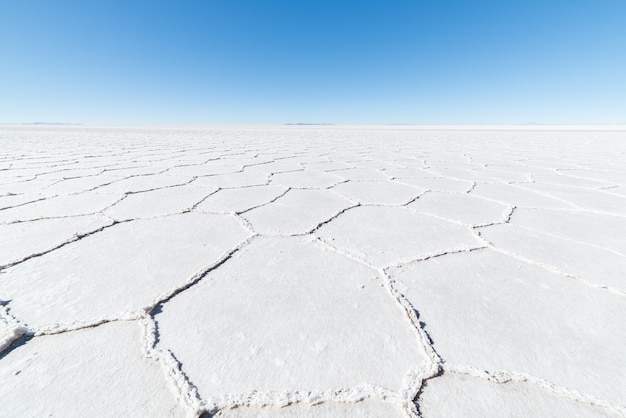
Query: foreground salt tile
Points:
[378, 192]
[596, 265]
[240, 199]
[160, 202]
[365, 408]
[461, 207]
[305, 179]
[25, 239]
[297, 212]
[91, 372]
[122, 268]
[604, 231]
[494, 312]
[457, 395]
[59, 206]
[520, 197]
[289, 313]
[389, 235]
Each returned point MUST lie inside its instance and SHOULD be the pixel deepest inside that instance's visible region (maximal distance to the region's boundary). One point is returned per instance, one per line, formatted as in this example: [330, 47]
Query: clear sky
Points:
[270, 61]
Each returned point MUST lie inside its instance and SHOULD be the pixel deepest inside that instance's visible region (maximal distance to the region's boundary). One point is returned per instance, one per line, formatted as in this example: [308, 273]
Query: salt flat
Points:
[312, 271]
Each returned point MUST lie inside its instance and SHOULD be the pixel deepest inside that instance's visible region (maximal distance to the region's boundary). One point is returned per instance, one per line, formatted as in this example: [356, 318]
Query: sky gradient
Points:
[343, 62]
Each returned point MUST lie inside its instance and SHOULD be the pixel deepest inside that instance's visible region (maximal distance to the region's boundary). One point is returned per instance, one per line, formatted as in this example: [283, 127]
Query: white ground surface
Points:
[312, 271]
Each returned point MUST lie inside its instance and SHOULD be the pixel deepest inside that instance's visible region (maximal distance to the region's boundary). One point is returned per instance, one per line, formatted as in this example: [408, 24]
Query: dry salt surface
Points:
[312, 271]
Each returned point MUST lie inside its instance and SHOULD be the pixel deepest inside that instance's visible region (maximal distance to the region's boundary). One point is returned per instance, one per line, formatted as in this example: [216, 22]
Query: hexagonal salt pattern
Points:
[311, 271]
[290, 313]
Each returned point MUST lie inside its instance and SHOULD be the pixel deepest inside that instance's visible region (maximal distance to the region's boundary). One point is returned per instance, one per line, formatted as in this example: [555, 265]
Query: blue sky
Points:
[354, 62]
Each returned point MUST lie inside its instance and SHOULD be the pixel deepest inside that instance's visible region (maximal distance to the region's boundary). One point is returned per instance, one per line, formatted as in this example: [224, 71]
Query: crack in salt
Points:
[282, 399]
[74, 238]
[417, 376]
[167, 296]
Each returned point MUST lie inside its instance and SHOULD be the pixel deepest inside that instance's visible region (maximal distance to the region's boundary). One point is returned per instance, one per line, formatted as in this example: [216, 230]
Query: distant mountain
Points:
[301, 123]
